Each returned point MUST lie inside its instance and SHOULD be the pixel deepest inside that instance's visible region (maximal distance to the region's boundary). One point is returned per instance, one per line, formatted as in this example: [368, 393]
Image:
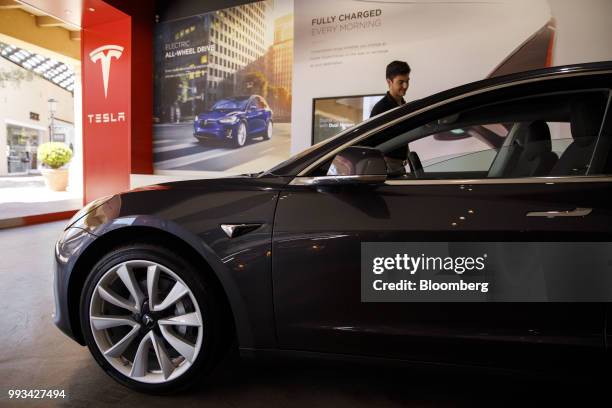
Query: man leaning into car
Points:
[398, 77]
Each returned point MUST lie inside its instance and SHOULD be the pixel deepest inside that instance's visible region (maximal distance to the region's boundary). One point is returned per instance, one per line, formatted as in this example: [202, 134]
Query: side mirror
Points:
[357, 165]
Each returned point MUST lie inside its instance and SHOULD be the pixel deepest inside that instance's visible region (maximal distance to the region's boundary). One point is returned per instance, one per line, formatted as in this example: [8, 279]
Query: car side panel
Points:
[194, 215]
[316, 271]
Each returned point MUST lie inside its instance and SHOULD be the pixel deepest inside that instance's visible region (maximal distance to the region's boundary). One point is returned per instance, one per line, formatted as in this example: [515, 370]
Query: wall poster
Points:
[223, 90]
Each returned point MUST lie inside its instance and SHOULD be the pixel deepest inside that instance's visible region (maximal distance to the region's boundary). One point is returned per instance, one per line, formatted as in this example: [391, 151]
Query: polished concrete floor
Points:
[35, 355]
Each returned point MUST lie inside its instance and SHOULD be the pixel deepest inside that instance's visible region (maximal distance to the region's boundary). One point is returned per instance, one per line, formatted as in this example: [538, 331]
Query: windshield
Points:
[296, 157]
[235, 104]
[278, 170]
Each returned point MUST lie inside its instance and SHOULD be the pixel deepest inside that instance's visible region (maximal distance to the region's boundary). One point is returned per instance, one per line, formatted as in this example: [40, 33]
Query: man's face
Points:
[399, 85]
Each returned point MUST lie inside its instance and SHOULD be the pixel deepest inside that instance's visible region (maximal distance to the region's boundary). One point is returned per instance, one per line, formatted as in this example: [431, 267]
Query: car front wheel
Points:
[240, 136]
[149, 319]
[268, 132]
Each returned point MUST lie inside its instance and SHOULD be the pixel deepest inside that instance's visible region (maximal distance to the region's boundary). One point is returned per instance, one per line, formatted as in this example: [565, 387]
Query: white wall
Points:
[16, 103]
[584, 31]
[447, 43]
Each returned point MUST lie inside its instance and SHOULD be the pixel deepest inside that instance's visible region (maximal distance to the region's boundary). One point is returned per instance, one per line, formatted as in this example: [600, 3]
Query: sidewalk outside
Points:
[22, 196]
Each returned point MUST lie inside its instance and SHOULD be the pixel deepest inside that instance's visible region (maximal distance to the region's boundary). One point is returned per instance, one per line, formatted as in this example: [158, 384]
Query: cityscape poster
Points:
[223, 90]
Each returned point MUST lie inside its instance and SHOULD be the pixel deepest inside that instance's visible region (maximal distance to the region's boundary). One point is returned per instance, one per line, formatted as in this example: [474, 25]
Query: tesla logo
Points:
[106, 117]
[104, 54]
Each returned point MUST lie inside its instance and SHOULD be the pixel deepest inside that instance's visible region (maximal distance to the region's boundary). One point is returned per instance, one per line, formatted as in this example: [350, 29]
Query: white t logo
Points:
[99, 54]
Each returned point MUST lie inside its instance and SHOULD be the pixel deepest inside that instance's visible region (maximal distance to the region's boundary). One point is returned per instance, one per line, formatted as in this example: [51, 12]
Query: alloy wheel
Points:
[146, 321]
[241, 134]
[269, 131]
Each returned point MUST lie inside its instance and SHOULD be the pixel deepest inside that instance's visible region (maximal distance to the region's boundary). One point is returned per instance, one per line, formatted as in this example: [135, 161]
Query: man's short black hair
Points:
[396, 68]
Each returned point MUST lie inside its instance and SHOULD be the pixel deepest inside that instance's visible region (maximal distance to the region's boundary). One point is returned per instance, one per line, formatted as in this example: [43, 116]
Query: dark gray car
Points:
[159, 281]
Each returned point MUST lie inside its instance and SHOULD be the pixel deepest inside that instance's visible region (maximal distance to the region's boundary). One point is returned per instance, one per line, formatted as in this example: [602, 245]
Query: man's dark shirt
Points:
[385, 104]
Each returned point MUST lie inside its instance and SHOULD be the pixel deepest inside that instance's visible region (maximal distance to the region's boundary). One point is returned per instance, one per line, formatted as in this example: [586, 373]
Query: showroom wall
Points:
[341, 49]
[445, 43]
[583, 31]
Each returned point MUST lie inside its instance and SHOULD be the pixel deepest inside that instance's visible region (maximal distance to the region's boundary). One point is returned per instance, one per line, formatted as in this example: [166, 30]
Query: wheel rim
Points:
[269, 130]
[146, 321]
[241, 134]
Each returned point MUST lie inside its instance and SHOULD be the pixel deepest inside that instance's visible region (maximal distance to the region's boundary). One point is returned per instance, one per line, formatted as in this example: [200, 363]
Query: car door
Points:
[252, 116]
[262, 114]
[266, 112]
[255, 116]
[319, 230]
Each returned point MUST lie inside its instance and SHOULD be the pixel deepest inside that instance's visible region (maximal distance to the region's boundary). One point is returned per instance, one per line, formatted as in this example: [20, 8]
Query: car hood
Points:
[193, 202]
[218, 114]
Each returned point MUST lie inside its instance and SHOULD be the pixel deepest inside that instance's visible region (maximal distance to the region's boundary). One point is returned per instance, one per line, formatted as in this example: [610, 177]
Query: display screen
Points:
[335, 114]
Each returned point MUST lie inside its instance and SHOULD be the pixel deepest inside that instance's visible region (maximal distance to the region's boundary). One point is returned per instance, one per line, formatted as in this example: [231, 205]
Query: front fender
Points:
[227, 280]
[192, 213]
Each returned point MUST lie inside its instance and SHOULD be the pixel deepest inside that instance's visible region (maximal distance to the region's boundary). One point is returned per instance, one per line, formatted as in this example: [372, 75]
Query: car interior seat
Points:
[416, 167]
[532, 154]
[585, 119]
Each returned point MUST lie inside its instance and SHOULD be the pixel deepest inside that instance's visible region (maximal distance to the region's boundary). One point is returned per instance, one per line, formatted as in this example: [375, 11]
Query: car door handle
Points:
[577, 212]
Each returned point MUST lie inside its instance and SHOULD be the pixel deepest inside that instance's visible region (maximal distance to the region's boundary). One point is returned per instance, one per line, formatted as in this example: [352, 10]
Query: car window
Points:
[469, 148]
[230, 104]
[474, 162]
[469, 152]
[543, 135]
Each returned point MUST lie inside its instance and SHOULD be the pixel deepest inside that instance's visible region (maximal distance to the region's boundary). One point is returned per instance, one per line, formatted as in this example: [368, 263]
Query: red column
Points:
[143, 18]
[106, 85]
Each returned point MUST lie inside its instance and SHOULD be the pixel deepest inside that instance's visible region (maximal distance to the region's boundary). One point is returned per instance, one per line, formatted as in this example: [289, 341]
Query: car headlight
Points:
[229, 120]
[70, 242]
[86, 210]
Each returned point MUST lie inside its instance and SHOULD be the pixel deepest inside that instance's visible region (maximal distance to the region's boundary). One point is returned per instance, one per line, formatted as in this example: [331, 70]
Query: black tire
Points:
[267, 133]
[216, 339]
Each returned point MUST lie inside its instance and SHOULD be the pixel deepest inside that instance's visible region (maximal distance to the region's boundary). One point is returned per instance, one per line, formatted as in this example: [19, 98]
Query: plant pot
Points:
[55, 179]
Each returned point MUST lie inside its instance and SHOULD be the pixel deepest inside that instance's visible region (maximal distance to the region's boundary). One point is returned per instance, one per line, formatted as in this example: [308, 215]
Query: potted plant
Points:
[55, 155]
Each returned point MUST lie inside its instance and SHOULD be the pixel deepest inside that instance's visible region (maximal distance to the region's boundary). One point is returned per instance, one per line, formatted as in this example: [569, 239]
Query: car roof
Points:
[568, 70]
[494, 82]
